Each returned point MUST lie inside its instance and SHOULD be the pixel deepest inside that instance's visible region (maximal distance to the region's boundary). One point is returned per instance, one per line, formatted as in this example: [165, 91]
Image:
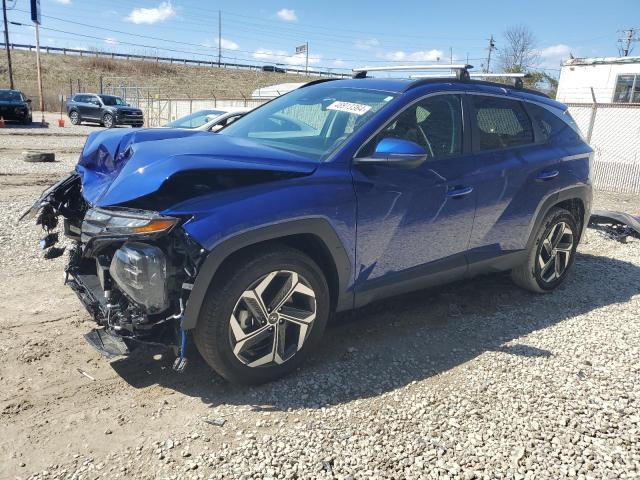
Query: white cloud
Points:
[280, 56]
[63, 2]
[228, 44]
[287, 15]
[432, 55]
[339, 63]
[80, 48]
[552, 56]
[366, 43]
[162, 12]
[111, 41]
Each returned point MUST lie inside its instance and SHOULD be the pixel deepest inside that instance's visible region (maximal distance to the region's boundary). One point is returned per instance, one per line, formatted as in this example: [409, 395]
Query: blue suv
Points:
[330, 197]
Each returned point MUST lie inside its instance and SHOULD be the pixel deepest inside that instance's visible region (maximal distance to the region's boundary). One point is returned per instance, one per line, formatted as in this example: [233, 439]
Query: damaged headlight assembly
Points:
[124, 223]
[140, 270]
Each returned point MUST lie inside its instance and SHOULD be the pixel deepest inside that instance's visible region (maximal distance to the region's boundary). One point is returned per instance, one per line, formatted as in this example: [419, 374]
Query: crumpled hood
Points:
[119, 166]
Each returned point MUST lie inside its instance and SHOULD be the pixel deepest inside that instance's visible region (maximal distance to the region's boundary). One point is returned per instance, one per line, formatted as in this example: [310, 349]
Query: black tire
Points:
[27, 121]
[213, 334]
[38, 157]
[74, 117]
[138, 125]
[108, 121]
[530, 275]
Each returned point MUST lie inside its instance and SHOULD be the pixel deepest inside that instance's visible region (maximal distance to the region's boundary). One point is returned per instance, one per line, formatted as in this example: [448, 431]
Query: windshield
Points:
[10, 96]
[312, 121]
[195, 120]
[112, 101]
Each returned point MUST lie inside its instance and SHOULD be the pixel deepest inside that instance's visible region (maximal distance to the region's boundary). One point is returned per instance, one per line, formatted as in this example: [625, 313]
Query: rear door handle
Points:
[547, 175]
[459, 192]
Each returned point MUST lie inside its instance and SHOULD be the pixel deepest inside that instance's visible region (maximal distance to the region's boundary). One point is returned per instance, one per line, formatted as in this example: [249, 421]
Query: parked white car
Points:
[211, 120]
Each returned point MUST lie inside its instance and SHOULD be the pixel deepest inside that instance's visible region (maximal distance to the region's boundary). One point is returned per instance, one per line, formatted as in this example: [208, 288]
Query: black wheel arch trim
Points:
[319, 227]
[580, 192]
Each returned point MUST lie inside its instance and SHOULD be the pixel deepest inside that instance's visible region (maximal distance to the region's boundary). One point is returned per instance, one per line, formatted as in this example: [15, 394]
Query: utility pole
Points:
[629, 36]
[6, 43]
[450, 55]
[39, 69]
[219, 37]
[306, 67]
[490, 48]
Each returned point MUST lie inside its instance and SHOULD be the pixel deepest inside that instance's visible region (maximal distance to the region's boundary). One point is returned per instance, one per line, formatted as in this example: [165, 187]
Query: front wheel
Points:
[107, 120]
[75, 118]
[551, 255]
[263, 315]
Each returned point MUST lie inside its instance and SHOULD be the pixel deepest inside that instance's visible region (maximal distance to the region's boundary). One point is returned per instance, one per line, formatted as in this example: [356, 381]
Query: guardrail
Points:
[184, 61]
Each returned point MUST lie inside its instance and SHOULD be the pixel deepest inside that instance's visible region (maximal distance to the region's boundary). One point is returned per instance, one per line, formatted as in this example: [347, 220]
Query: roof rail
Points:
[460, 71]
[516, 76]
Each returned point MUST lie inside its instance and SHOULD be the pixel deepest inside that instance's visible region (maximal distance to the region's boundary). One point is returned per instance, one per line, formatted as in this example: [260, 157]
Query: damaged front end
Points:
[133, 261]
[132, 269]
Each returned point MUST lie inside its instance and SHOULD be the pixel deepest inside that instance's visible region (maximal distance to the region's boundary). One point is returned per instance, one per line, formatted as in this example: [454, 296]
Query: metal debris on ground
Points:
[615, 225]
[85, 374]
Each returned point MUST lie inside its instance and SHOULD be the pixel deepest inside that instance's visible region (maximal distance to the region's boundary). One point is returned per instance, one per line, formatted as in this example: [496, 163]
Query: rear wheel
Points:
[263, 315]
[27, 120]
[107, 120]
[552, 254]
[74, 116]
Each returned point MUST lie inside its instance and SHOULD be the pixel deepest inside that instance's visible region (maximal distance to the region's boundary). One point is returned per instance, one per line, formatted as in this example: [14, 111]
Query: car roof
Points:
[402, 85]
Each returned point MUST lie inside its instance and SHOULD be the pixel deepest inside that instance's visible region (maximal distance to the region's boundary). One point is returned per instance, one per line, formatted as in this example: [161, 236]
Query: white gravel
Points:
[476, 380]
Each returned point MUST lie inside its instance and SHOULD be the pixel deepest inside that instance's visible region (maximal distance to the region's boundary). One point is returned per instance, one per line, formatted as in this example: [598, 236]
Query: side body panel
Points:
[512, 186]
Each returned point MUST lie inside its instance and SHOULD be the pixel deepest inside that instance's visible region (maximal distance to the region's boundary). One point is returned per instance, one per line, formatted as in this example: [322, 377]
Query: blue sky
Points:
[341, 34]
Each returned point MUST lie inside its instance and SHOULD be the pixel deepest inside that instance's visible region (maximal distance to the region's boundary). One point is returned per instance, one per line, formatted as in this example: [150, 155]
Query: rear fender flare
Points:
[582, 192]
[214, 259]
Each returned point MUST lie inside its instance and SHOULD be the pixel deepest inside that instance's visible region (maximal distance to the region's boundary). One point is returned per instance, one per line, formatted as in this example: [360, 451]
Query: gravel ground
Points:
[476, 379]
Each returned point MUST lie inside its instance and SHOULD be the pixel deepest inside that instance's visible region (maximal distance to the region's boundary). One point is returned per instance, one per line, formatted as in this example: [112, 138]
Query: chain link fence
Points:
[613, 131]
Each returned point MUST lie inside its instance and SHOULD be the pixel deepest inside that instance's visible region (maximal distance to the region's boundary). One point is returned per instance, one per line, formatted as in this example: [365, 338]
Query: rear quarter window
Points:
[501, 123]
[554, 130]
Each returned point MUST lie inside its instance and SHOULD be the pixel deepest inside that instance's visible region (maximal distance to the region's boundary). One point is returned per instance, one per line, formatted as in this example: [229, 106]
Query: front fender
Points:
[316, 226]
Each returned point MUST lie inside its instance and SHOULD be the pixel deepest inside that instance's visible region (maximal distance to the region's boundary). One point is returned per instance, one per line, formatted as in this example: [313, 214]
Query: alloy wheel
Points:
[74, 117]
[107, 121]
[272, 319]
[555, 252]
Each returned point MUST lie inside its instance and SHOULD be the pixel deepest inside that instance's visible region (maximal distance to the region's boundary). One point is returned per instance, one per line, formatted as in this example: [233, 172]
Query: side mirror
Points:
[396, 151]
[28, 100]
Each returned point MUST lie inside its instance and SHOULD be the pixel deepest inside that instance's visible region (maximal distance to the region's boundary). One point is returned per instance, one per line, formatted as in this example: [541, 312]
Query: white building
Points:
[613, 80]
[611, 124]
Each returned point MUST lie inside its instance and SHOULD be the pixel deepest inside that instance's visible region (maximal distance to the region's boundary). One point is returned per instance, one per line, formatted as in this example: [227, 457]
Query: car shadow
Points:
[392, 343]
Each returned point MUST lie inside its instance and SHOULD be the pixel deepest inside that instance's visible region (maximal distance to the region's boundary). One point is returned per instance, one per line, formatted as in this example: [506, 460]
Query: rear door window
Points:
[501, 123]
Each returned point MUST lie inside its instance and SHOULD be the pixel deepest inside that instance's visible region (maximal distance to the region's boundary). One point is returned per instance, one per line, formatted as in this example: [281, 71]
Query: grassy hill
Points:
[168, 80]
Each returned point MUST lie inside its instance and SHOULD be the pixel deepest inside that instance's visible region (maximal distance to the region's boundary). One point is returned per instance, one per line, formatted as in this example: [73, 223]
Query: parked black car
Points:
[14, 105]
[271, 68]
[107, 110]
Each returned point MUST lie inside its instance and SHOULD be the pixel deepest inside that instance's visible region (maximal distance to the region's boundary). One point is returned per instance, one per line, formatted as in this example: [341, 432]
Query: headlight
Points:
[124, 222]
[140, 270]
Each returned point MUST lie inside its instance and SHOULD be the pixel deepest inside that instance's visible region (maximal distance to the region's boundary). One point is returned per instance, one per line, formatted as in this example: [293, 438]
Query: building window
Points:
[627, 89]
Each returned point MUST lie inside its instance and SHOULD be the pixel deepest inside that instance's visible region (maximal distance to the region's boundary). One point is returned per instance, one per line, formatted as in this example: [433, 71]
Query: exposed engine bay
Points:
[132, 269]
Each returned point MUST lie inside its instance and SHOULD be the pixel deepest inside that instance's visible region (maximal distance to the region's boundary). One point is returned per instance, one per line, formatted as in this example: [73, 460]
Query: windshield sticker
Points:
[386, 99]
[355, 108]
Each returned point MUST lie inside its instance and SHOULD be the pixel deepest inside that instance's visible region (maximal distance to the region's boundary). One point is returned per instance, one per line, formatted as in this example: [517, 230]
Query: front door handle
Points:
[459, 192]
[547, 175]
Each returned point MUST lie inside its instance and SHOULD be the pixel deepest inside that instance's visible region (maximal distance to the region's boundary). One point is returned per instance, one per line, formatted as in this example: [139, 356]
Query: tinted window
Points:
[502, 123]
[434, 123]
[553, 128]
